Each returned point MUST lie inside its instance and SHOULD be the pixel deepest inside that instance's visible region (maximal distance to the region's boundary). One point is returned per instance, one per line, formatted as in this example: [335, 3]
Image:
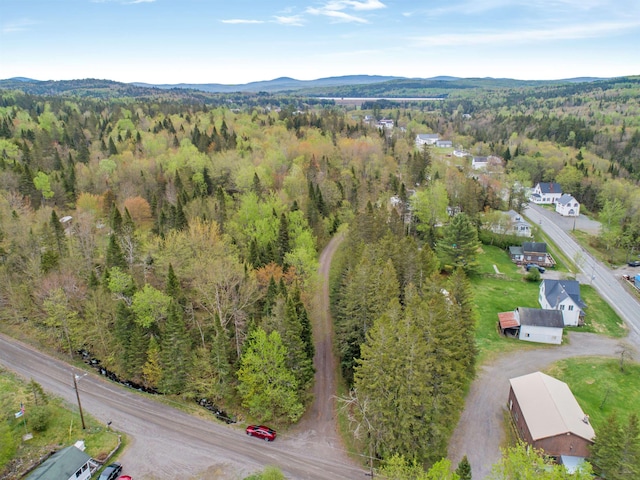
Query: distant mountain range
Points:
[369, 86]
[291, 84]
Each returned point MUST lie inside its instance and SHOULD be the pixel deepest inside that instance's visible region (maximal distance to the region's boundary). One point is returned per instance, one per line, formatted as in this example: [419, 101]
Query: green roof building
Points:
[70, 463]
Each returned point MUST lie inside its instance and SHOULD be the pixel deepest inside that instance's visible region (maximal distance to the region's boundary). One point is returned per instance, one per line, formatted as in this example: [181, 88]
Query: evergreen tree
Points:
[463, 310]
[136, 353]
[283, 239]
[173, 285]
[615, 453]
[175, 352]
[59, 237]
[115, 219]
[459, 245]
[113, 150]
[298, 361]
[114, 256]
[152, 369]
[464, 469]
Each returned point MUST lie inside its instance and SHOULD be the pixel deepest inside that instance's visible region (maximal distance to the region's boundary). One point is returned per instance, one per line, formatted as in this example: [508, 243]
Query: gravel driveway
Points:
[480, 431]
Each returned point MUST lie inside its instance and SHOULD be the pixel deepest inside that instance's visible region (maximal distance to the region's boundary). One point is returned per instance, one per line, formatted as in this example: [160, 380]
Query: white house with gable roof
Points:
[567, 206]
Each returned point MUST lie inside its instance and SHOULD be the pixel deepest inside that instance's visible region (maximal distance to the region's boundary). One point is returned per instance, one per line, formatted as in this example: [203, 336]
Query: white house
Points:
[386, 123]
[546, 193]
[533, 325]
[70, 463]
[444, 143]
[483, 163]
[567, 206]
[426, 139]
[513, 224]
[564, 296]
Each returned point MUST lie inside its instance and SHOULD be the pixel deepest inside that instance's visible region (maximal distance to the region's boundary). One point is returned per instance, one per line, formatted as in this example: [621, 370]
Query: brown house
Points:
[547, 416]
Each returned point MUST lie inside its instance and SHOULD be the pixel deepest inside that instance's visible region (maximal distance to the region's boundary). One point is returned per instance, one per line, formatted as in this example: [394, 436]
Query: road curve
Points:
[167, 443]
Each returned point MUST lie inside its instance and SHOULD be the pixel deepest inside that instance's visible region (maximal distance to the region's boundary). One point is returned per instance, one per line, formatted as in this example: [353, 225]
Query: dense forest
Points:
[175, 236]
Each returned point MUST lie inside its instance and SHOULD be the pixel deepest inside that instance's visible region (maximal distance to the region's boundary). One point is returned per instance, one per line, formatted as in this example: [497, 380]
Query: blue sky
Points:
[239, 41]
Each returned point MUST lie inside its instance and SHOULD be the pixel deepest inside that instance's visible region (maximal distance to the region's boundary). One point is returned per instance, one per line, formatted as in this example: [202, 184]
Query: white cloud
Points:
[569, 32]
[356, 5]
[235, 21]
[293, 20]
[22, 25]
[336, 15]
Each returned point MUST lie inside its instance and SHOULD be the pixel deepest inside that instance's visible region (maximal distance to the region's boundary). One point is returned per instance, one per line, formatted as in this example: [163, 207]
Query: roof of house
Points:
[549, 408]
[538, 247]
[427, 136]
[508, 320]
[550, 187]
[539, 317]
[556, 291]
[62, 464]
[517, 218]
[566, 199]
[515, 250]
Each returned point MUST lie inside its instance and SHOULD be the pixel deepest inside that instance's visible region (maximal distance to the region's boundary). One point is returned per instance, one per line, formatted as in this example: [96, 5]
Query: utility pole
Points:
[75, 385]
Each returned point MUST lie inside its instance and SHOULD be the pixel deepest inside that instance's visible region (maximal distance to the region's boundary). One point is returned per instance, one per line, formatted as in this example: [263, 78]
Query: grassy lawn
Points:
[499, 293]
[495, 293]
[600, 387]
[63, 426]
[600, 317]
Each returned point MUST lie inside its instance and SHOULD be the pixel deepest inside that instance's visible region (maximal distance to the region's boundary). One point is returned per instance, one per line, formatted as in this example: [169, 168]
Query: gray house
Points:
[70, 463]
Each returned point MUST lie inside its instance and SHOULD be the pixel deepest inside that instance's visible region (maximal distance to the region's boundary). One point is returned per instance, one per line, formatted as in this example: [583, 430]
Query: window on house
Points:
[526, 335]
[561, 307]
[570, 307]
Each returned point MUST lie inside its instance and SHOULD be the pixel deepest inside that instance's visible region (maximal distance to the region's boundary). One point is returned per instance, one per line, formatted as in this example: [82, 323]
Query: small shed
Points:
[70, 463]
[548, 417]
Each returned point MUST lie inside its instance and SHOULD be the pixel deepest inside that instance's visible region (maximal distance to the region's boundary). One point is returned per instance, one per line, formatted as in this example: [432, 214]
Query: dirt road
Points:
[166, 443]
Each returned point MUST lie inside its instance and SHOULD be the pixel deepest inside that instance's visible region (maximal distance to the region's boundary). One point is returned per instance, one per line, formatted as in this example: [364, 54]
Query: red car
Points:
[124, 477]
[262, 432]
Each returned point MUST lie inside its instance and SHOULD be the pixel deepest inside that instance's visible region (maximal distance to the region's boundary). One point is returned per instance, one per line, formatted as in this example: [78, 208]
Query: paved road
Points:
[593, 272]
[479, 433]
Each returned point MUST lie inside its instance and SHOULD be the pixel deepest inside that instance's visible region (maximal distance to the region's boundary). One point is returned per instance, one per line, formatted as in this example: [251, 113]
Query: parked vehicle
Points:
[533, 265]
[124, 477]
[111, 472]
[262, 432]
[634, 263]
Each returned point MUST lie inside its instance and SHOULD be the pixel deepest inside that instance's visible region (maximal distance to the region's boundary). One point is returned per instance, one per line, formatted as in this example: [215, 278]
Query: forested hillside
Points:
[176, 239]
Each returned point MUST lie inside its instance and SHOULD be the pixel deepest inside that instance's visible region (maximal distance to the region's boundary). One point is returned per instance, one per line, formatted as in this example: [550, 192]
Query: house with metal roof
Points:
[548, 417]
[545, 193]
[564, 296]
[426, 139]
[70, 463]
[567, 206]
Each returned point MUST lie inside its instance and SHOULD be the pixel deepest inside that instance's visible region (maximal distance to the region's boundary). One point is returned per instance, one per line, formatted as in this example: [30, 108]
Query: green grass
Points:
[600, 387]
[64, 427]
[600, 317]
[499, 293]
[495, 293]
